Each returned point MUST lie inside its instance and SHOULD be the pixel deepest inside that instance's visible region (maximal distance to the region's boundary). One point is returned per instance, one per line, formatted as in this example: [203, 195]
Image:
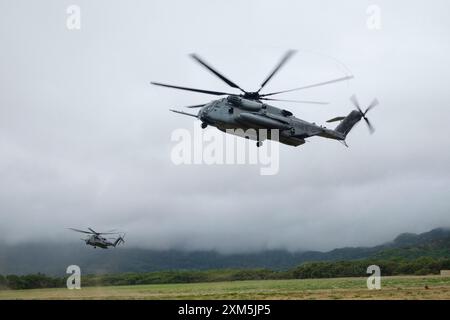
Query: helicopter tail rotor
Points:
[354, 117]
[373, 104]
[120, 240]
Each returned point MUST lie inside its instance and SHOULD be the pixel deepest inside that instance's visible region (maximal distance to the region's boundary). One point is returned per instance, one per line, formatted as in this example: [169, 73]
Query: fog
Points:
[85, 140]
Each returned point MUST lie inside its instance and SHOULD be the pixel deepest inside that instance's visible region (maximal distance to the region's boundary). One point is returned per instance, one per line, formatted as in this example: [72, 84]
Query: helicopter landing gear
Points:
[204, 125]
[259, 142]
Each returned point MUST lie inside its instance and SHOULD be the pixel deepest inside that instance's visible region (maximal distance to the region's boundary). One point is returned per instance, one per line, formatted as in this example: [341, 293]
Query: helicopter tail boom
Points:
[348, 122]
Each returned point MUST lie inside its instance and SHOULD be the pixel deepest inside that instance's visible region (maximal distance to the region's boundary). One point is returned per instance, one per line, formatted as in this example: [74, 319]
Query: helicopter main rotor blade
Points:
[184, 113]
[82, 231]
[215, 72]
[296, 101]
[217, 93]
[309, 86]
[196, 106]
[93, 231]
[283, 60]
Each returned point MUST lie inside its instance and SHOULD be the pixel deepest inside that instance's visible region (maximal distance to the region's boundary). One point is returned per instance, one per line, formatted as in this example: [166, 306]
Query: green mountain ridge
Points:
[53, 259]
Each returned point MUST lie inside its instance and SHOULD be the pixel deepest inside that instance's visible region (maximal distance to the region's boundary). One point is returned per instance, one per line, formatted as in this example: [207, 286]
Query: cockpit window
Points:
[286, 113]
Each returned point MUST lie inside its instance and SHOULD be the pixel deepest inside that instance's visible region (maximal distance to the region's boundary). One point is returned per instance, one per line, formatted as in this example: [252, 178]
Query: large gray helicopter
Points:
[96, 240]
[248, 110]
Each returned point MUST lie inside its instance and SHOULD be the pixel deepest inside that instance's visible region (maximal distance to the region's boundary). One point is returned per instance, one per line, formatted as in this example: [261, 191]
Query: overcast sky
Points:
[85, 140]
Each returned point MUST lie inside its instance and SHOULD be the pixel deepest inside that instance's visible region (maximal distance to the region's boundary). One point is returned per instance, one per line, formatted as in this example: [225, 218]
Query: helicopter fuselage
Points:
[240, 114]
[98, 241]
[234, 112]
[95, 238]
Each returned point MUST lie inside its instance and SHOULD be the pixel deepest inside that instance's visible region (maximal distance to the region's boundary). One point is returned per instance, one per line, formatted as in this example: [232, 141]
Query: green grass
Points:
[401, 287]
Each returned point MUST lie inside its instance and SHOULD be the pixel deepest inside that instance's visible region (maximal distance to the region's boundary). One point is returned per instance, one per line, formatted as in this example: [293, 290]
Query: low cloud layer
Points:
[85, 140]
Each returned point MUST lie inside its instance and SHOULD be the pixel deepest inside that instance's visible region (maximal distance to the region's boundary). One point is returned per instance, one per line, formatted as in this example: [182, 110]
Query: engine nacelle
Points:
[261, 121]
[245, 104]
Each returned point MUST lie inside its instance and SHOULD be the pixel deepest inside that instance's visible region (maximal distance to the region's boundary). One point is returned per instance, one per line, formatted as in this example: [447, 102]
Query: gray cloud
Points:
[85, 140]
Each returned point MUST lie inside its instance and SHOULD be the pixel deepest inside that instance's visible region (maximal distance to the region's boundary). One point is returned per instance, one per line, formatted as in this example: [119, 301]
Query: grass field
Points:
[404, 287]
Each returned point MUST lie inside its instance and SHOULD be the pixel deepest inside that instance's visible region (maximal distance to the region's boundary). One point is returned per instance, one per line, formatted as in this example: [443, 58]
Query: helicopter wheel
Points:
[259, 144]
[204, 125]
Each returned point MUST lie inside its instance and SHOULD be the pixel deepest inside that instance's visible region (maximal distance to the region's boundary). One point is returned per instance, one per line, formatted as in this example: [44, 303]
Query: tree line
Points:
[308, 270]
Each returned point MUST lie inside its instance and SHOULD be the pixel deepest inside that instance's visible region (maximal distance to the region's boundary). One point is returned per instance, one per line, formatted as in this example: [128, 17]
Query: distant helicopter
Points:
[248, 110]
[96, 240]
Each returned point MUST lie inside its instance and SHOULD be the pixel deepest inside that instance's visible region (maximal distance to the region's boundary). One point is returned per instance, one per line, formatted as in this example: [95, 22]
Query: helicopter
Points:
[238, 113]
[96, 240]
